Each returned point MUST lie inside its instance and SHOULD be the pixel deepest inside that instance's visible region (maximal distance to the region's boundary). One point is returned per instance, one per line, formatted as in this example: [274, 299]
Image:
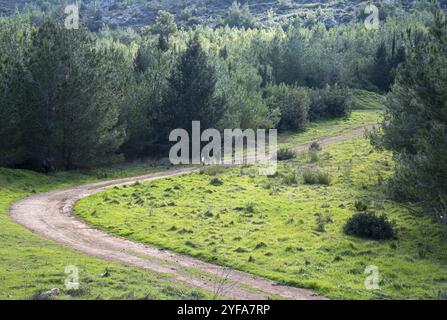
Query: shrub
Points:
[423, 249]
[329, 102]
[361, 205]
[313, 177]
[39, 296]
[314, 157]
[250, 207]
[285, 154]
[216, 182]
[213, 170]
[260, 245]
[315, 146]
[442, 295]
[322, 220]
[83, 290]
[294, 104]
[369, 225]
[241, 250]
[290, 178]
[191, 244]
[240, 16]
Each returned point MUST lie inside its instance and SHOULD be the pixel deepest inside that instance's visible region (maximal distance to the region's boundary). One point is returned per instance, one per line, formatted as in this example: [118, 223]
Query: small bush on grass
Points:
[442, 295]
[371, 226]
[314, 156]
[285, 154]
[290, 179]
[293, 102]
[313, 177]
[361, 205]
[322, 220]
[83, 290]
[39, 296]
[315, 146]
[216, 182]
[423, 249]
[250, 207]
[213, 170]
[329, 102]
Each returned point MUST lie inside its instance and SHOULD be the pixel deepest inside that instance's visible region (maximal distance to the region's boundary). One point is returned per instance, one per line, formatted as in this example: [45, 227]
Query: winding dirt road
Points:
[51, 215]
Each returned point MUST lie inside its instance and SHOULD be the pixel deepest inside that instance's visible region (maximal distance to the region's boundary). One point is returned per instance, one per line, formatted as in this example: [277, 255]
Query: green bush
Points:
[314, 157]
[442, 295]
[361, 205]
[216, 182]
[239, 16]
[213, 170]
[290, 178]
[329, 102]
[285, 154]
[369, 225]
[314, 177]
[250, 207]
[322, 220]
[294, 104]
[315, 146]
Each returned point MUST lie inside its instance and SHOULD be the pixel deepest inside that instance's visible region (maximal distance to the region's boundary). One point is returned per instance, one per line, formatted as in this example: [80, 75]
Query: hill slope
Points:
[137, 13]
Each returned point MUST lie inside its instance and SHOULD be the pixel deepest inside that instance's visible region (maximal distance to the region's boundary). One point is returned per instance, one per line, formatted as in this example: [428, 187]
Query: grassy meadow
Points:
[276, 227]
[284, 229]
[30, 264]
[367, 109]
[100, 90]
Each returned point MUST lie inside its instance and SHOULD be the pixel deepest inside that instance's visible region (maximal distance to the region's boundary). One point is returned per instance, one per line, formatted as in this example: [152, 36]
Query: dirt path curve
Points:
[51, 215]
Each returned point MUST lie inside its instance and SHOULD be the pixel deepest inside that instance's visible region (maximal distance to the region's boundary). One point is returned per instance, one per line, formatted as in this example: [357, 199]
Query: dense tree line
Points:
[74, 99]
[415, 124]
[61, 97]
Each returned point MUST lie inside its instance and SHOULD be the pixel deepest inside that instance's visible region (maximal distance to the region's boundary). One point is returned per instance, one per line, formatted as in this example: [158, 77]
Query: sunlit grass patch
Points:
[281, 228]
[30, 264]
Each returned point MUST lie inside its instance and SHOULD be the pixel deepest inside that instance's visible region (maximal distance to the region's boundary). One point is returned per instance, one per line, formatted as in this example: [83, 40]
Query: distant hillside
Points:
[137, 13]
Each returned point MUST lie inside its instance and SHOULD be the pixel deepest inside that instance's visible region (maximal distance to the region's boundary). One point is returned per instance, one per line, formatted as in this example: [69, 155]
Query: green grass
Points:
[282, 229]
[366, 100]
[328, 128]
[367, 110]
[30, 264]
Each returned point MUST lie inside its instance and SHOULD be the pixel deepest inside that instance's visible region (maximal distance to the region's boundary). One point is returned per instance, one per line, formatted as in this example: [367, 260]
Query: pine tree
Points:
[14, 45]
[191, 94]
[294, 104]
[164, 27]
[381, 69]
[415, 125]
[70, 109]
[152, 68]
[240, 16]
